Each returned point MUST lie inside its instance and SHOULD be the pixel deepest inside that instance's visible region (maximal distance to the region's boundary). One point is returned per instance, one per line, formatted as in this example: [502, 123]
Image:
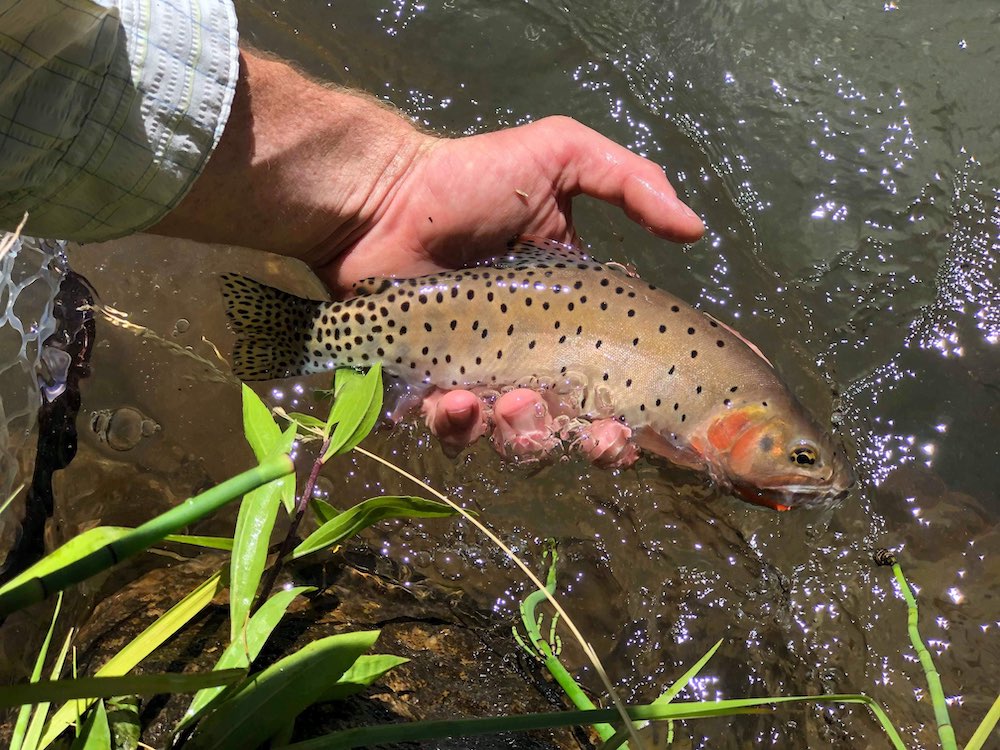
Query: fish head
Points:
[777, 457]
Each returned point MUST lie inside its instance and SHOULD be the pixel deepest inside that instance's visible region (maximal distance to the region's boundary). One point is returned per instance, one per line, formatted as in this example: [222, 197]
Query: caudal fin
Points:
[272, 329]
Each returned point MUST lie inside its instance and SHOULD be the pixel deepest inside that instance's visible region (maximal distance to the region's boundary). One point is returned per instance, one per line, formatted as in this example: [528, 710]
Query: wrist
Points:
[301, 169]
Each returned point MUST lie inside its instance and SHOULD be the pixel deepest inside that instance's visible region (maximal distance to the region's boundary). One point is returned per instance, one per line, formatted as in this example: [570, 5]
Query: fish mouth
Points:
[793, 496]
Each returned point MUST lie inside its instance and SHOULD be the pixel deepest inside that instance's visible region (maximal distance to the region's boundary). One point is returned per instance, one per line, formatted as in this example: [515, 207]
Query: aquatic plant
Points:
[227, 708]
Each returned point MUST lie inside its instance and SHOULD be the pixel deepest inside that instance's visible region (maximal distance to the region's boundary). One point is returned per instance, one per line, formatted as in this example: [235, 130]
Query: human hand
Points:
[461, 200]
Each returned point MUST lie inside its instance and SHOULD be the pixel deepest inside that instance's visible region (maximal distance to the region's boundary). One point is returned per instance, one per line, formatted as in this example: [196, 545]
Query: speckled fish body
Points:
[549, 316]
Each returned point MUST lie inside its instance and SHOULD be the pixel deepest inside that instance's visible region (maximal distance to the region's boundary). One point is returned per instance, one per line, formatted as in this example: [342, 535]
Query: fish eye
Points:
[803, 454]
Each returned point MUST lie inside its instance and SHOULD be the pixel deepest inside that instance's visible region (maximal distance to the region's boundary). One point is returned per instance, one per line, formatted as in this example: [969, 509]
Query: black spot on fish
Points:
[470, 294]
[635, 342]
[631, 313]
[405, 307]
[733, 389]
[720, 343]
[698, 389]
[598, 344]
[671, 370]
[628, 383]
[439, 297]
[690, 332]
[510, 329]
[531, 344]
[453, 325]
[604, 305]
[428, 327]
[422, 299]
[694, 353]
[674, 308]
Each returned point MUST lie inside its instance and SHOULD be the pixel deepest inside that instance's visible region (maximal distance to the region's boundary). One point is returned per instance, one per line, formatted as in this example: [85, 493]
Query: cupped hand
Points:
[461, 200]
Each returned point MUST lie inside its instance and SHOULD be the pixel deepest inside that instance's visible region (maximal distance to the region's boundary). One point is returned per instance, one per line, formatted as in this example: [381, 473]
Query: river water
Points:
[845, 159]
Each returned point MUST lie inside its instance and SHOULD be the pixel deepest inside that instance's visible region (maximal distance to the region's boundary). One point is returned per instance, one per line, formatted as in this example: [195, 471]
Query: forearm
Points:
[300, 168]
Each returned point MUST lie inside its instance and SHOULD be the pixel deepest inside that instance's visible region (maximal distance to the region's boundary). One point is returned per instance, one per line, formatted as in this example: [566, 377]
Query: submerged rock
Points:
[463, 661]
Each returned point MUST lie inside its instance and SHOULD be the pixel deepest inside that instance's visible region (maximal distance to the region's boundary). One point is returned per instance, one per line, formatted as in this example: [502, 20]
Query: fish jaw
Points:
[781, 461]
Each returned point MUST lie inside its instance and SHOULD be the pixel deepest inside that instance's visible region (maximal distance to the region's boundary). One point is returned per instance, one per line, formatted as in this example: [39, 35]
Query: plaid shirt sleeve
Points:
[109, 109]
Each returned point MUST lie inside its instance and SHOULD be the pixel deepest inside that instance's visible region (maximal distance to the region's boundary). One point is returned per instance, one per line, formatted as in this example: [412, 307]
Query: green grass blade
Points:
[668, 695]
[242, 653]
[96, 734]
[23, 716]
[361, 674]
[38, 587]
[985, 728]
[108, 687]
[223, 543]
[355, 409]
[259, 709]
[139, 648]
[439, 729]
[42, 710]
[366, 513]
[685, 678]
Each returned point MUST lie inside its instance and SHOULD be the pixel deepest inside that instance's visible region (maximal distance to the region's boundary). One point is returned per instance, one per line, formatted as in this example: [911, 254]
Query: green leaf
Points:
[355, 409]
[31, 740]
[250, 542]
[258, 425]
[95, 735]
[366, 513]
[281, 692]
[123, 716]
[139, 648]
[75, 549]
[362, 673]
[21, 726]
[242, 653]
[323, 510]
[107, 687]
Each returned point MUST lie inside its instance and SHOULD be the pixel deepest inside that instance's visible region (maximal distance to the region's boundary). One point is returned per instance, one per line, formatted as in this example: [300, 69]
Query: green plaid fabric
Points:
[109, 110]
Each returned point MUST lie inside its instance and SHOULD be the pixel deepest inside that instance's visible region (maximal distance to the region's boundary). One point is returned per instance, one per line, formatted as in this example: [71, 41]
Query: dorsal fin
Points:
[529, 251]
[371, 285]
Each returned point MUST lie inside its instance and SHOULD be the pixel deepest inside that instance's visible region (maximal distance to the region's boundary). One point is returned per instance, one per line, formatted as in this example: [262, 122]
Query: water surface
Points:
[845, 160]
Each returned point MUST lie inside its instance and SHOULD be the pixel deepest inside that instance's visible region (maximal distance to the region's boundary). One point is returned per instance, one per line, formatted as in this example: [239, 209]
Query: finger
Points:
[523, 425]
[456, 418]
[607, 443]
[594, 165]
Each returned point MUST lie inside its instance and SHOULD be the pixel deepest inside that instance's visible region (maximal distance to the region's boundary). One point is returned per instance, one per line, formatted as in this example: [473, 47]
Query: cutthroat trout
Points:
[691, 388]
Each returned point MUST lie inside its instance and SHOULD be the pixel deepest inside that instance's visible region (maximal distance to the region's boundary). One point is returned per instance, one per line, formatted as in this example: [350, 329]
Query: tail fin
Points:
[272, 329]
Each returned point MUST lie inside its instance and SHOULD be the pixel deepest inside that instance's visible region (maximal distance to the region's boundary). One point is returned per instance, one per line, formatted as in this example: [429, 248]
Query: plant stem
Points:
[286, 544]
[945, 730]
[144, 536]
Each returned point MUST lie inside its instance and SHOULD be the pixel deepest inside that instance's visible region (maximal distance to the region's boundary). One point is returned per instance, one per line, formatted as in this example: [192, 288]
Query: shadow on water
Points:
[65, 361]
